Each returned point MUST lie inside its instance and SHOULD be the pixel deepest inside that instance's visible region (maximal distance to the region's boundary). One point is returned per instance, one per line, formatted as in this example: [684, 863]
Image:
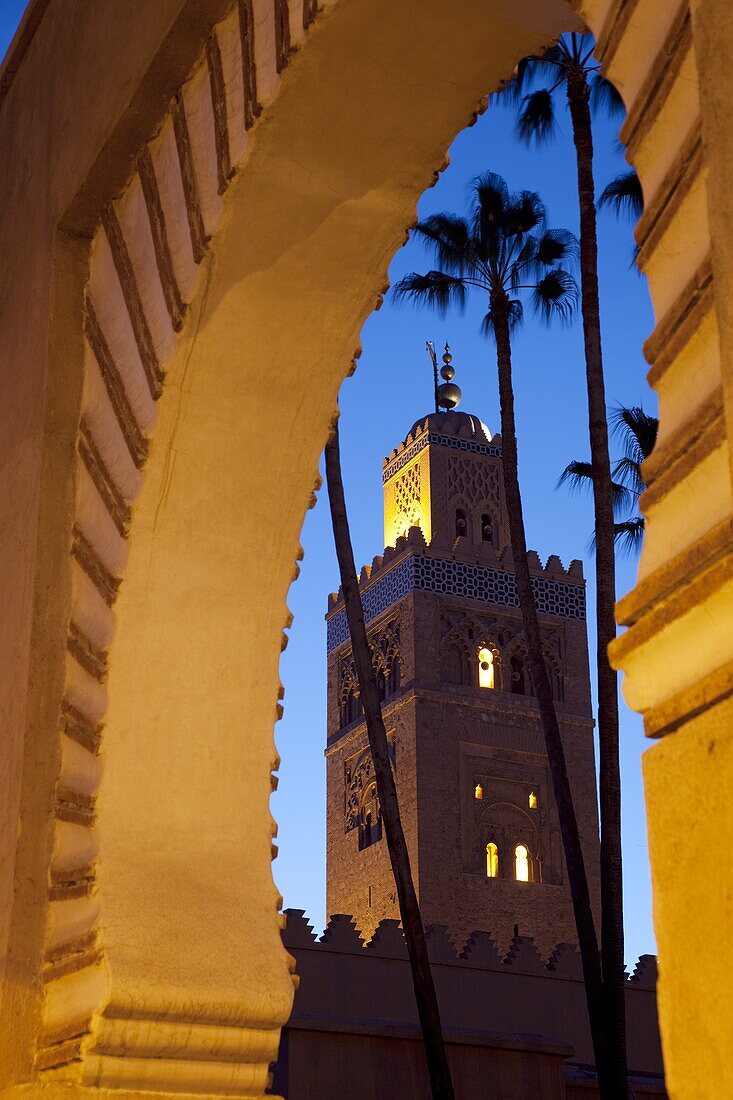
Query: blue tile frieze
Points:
[456, 578]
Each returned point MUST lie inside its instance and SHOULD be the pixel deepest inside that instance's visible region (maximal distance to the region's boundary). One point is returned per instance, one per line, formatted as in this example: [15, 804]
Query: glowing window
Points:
[492, 860]
[478, 792]
[532, 800]
[521, 863]
[485, 668]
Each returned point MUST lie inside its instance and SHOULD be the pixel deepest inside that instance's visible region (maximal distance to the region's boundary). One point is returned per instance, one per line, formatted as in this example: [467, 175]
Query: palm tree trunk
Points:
[422, 979]
[609, 777]
[587, 939]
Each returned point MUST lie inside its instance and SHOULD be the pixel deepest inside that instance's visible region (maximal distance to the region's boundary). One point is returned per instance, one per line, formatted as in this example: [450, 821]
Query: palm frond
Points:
[604, 97]
[515, 316]
[491, 197]
[536, 121]
[628, 472]
[448, 237]
[556, 245]
[555, 295]
[579, 475]
[547, 66]
[624, 195]
[629, 535]
[637, 430]
[525, 212]
[435, 288]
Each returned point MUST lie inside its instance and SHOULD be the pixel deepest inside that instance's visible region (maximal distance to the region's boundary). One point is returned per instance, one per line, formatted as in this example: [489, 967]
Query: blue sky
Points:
[389, 391]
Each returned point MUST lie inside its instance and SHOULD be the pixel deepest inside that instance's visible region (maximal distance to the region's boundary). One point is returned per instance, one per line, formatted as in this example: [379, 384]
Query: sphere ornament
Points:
[449, 395]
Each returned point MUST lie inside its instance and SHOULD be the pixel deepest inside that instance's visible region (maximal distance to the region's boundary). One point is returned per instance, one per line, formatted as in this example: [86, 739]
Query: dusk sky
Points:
[389, 391]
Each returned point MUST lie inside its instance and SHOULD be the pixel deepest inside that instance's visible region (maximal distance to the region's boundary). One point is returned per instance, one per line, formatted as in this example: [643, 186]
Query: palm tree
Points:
[502, 250]
[638, 431]
[569, 64]
[422, 979]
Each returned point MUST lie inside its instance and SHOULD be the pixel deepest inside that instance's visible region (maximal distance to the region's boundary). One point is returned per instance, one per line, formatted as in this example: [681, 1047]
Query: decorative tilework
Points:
[451, 441]
[376, 599]
[455, 578]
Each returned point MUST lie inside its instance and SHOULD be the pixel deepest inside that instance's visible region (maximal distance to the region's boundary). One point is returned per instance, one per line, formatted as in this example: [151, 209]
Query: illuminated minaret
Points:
[468, 750]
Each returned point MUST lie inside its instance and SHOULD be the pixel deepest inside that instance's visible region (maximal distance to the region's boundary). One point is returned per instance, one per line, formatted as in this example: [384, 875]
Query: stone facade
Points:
[472, 772]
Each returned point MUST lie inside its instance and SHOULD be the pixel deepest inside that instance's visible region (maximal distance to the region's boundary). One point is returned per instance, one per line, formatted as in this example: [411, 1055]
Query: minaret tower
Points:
[468, 750]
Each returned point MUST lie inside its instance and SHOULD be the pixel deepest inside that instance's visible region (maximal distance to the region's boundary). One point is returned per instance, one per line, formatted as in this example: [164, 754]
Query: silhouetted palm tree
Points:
[441, 1084]
[624, 195]
[638, 431]
[569, 65]
[502, 250]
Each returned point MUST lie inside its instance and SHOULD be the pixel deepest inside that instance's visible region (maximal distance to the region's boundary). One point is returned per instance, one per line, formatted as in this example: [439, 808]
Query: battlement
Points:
[478, 952]
[412, 564]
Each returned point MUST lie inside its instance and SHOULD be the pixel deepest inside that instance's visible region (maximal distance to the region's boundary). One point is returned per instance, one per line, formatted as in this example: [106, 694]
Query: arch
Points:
[486, 671]
[492, 860]
[522, 863]
[370, 817]
[488, 528]
[461, 526]
[224, 302]
[520, 679]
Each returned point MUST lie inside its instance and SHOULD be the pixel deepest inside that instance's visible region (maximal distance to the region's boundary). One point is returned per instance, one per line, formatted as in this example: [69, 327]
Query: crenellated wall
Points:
[489, 1003]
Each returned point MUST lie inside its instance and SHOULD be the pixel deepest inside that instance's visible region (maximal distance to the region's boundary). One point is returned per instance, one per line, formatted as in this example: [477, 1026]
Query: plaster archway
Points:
[188, 985]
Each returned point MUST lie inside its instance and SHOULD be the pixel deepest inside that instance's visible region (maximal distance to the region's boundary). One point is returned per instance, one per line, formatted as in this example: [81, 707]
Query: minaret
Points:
[472, 773]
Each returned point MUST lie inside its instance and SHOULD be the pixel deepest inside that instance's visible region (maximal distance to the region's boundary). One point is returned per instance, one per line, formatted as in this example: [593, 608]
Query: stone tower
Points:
[468, 749]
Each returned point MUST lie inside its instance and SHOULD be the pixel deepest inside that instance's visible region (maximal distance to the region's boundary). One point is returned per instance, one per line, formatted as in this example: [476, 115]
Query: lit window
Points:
[532, 800]
[478, 792]
[492, 860]
[485, 668]
[521, 863]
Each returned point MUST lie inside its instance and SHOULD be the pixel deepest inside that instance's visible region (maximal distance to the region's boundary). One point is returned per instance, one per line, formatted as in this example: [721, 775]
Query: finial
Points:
[430, 347]
[448, 396]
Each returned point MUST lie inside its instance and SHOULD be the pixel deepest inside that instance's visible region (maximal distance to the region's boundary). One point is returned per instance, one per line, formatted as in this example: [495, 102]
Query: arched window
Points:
[532, 800]
[518, 675]
[395, 674]
[521, 863]
[370, 818]
[478, 792]
[381, 685]
[461, 524]
[487, 528]
[492, 860]
[454, 665]
[485, 668]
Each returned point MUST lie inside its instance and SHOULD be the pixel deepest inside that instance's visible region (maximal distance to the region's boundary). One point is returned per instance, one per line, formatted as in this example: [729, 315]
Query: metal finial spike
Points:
[448, 395]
